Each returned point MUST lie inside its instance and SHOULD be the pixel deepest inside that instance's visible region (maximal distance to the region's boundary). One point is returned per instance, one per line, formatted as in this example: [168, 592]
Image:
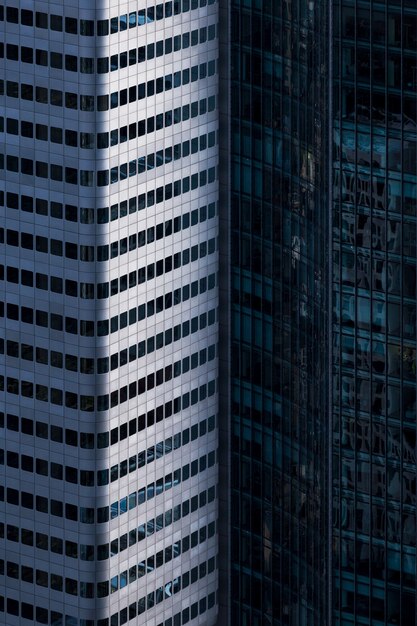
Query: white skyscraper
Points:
[109, 326]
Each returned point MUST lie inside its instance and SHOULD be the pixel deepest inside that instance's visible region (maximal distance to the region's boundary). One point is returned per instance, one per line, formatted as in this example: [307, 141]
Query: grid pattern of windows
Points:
[88, 178]
[72, 213]
[74, 101]
[102, 365]
[374, 315]
[101, 477]
[88, 328]
[87, 28]
[86, 552]
[102, 65]
[43, 616]
[90, 141]
[104, 439]
[71, 249]
[89, 291]
[103, 402]
[108, 323]
[278, 313]
[102, 589]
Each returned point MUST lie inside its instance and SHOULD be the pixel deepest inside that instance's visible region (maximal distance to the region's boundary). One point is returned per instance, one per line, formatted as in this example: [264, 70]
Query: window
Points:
[42, 57]
[56, 471]
[26, 17]
[12, 163]
[102, 65]
[86, 65]
[26, 54]
[56, 60]
[71, 586]
[56, 433]
[71, 138]
[71, 25]
[12, 126]
[71, 62]
[87, 140]
[41, 132]
[56, 358]
[123, 59]
[12, 90]
[41, 20]
[87, 28]
[103, 103]
[102, 140]
[26, 129]
[56, 582]
[42, 468]
[56, 172]
[56, 22]
[57, 510]
[71, 99]
[56, 97]
[42, 95]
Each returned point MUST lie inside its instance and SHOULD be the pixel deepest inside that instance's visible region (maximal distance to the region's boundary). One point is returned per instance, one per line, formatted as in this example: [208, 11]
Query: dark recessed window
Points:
[12, 15]
[71, 25]
[56, 22]
[41, 20]
[56, 60]
[87, 28]
[26, 17]
[26, 129]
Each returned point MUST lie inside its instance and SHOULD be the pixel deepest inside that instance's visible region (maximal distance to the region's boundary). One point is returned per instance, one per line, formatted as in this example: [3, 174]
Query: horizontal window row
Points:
[41, 615]
[103, 65]
[89, 28]
[71, 100]
[116, 211]
[104, 402]
[102, 589]
[101, 328]
[90, 478]
[153, 562]
[91, 141]
[101, 178]
[105, 551]
[87, 441]
[89, 515]
[85, 365]
[89, 291]
[104, 215]
[85, 253]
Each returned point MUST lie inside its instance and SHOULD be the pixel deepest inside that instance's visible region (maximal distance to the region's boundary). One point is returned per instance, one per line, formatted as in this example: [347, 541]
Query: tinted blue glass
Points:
[278, 312]
[374, 285]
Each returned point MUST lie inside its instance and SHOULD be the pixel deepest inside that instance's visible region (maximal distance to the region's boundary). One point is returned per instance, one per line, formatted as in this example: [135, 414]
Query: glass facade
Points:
[278, 312]
[374, 315]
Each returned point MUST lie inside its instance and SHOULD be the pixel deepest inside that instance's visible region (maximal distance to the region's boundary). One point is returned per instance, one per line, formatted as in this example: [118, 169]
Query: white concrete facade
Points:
[109, 204]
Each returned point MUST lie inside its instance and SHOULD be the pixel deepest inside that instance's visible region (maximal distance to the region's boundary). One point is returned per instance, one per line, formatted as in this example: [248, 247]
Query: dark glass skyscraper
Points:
[374, 314]
[322, 323]
[278, 312]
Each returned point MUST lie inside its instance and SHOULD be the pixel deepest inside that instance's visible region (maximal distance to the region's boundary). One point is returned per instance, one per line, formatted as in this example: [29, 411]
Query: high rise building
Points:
[320, 449]
[374, 173]
[109, 262]
[310, 109]
[278, 314]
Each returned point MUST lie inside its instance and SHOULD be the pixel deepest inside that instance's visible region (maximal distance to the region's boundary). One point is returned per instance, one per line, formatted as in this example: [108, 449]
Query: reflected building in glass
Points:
[321, 446]
[374, 312]
[167, 425]
[278, 196]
